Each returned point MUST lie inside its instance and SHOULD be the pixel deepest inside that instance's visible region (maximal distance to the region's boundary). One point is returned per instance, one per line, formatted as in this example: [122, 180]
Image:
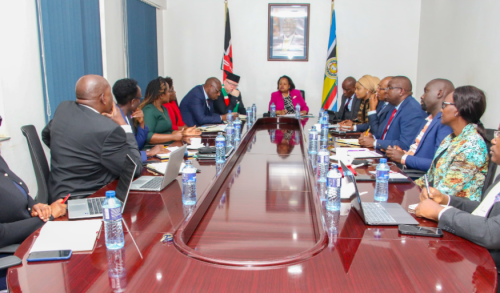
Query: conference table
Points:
[259, 225]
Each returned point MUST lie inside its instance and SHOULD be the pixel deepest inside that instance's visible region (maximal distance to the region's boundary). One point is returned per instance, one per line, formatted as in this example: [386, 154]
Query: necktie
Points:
[389, 123]
[346, 106]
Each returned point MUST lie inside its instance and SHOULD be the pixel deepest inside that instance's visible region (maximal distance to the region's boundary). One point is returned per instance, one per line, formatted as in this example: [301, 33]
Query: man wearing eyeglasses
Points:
[230, 97]
[432, 131]
[128, 96]
[402, 125]
[197, 106]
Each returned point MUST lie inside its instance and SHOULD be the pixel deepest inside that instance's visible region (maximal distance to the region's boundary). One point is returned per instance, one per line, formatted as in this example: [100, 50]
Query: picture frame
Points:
[288, 32]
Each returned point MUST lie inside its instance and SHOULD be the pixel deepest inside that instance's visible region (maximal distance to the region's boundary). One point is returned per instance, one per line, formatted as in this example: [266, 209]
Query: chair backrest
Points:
[303, 93]
[490, 176]
[40, 165]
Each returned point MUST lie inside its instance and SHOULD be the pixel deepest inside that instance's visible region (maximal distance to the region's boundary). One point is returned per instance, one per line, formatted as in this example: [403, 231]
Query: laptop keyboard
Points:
[376, 213]
[95, 205]
[154, 183]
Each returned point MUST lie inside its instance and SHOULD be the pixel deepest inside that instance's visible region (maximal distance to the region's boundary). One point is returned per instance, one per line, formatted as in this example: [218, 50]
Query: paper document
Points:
[242, 116]
[171, 149]
[64, 235]
[392, 175]
[412, 207]
[160, 168]
[363, 153]
[213, 128]
[352, 141]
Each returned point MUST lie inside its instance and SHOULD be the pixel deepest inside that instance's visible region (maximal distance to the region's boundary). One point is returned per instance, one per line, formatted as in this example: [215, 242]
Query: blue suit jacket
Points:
[404, 127]
[428, 145]
[375, 120]
[140, 134]
[194, 108]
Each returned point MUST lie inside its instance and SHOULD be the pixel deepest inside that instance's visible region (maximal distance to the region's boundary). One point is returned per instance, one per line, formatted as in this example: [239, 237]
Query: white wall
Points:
[459, 40]
[21, 95]
[194, 36]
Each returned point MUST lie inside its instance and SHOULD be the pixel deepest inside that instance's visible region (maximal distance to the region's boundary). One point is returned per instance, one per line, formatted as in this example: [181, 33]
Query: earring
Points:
[456, 114]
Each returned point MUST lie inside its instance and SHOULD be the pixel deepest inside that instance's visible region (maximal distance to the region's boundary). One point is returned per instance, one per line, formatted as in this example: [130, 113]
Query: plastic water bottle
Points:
[297, 112]
[220, 148]
[229, 116]
[237, 129]
[254, 112]
[324, 129]
[313, 140]
[273, 135]
[382, 185]
[189, 184]
[112, 215]
[334, 183]
[320, 115]
[322, 190]
[218, 168]
[249, 116]
[230, 134]
[323, 161]
[273, 110]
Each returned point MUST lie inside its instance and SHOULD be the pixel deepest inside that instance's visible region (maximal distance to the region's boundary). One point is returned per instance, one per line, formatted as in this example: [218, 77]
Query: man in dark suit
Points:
[402, 125]
[431, 133]
[379, 107]
[197, 107]
[88, 140]
[230, 97]
[349, 105]
[478, 222]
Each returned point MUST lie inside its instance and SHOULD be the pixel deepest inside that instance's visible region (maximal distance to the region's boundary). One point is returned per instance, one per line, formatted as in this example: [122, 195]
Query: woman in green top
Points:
[156, 116]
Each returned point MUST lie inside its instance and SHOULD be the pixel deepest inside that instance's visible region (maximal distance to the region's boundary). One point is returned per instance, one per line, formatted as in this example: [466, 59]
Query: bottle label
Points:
[229, 131]
[313, 136]
[112, 214]
[188, 177]
[334, 182]
[323, 159]
[381, 174]
[237, 126]
[220, 144]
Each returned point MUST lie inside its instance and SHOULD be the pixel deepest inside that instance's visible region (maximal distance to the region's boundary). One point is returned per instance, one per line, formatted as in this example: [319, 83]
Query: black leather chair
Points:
[303, 93]
[40, 165]
[492, 168]
[11, 260]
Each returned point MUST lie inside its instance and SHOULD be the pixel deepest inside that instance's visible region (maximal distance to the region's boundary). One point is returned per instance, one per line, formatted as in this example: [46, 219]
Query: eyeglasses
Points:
[382, 88]
[496, 134]
[232, 83]
[446, 104]
[218, 91]
[393, 87]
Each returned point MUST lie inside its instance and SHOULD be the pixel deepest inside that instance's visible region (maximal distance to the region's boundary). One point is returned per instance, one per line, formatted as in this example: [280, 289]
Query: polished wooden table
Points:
[259, 226]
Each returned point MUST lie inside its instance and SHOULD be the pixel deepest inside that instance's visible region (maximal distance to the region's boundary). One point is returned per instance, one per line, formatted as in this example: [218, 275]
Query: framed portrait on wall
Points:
[288, 32]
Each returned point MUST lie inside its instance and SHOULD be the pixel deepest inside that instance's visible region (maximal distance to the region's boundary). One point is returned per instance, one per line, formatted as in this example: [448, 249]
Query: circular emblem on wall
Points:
[331, 68]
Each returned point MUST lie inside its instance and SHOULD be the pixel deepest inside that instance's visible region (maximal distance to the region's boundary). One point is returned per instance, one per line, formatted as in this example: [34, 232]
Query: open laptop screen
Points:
[356, 202]
[126, 177]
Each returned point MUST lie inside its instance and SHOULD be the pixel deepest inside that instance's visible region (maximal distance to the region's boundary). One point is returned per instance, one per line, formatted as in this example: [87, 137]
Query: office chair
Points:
[40, 165]
[303, 93]
[11, 260]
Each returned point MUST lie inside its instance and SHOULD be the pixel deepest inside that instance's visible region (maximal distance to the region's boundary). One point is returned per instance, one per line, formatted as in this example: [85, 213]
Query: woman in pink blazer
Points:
[287, 97]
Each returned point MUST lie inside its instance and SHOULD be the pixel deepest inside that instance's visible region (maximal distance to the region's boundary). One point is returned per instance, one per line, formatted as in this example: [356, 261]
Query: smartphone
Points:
[420, 231]
[49, 255]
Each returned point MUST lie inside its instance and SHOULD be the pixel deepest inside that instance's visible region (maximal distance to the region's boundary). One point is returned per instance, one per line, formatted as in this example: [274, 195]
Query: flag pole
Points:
[225, 11]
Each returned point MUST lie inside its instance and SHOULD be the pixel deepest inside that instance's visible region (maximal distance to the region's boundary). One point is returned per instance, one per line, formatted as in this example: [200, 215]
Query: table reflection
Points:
[117, 273]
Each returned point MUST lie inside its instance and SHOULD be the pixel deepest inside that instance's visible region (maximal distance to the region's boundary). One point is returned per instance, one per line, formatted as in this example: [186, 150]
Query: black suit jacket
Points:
[351, 115]
[221, 108]
[482, 231]
[87, 149]
[16, 223]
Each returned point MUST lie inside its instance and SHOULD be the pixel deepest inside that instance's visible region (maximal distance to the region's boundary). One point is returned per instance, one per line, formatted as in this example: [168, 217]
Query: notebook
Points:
[67, 235]
[351, 141]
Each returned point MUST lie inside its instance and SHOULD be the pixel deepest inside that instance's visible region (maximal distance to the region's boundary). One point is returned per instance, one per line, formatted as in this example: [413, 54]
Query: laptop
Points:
[92, 207]
[157, 183]
[378, 213]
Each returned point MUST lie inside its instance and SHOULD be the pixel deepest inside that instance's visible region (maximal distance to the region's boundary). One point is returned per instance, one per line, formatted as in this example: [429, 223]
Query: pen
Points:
[66, 198]
[427, 186]
[366, 133]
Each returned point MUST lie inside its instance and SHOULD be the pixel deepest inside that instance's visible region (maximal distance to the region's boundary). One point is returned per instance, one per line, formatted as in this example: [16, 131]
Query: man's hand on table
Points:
[428, 209]
[346, 123]
[366, 141]
[157, 149]
[394, 153]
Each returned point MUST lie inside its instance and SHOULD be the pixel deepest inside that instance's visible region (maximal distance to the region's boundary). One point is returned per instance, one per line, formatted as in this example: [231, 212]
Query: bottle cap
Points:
[110, 193]
[168, 237]
[383, 160]
[313, 127]
[335, 166]
[229, 111]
